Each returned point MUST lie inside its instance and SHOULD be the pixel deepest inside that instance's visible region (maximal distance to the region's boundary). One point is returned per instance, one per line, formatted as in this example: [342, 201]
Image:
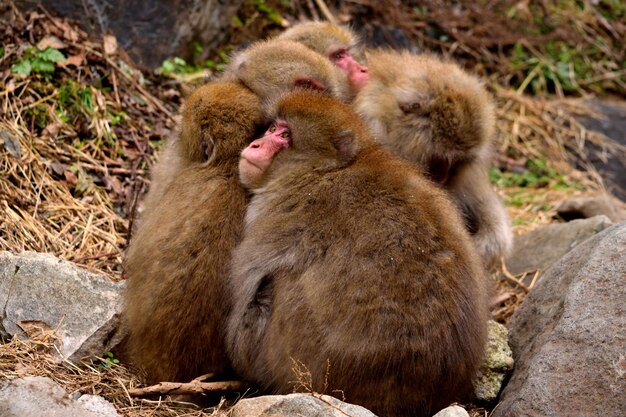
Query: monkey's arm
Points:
[484, 214]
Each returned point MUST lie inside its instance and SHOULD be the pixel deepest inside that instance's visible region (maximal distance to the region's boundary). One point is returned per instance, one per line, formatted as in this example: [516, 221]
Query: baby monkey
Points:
[354, 266]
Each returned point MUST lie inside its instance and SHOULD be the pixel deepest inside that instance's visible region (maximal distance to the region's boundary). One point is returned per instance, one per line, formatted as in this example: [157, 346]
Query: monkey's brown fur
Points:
[268, 67]
[436, 115]
[178, 263]
[323, 37]
[351, 256]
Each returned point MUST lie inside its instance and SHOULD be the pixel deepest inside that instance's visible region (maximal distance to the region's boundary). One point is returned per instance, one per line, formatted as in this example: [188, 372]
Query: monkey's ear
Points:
[346, 145]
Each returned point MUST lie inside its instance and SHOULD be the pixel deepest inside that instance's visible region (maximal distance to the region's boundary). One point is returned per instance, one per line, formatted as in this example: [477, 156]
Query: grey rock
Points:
[85, 307]
[547, 244]
[453, 411]
[584, 207]
[568, 336]
[151, 30]
[611, 122]
[297, 405]
[36, 396]
[97, 405]
[498, 364]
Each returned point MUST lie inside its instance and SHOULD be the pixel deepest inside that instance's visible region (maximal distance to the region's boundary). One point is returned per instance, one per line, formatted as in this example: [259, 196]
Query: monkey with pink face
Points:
[353, 265]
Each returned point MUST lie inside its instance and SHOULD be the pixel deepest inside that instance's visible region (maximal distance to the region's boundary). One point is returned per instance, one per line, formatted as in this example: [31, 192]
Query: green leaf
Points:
[1, 51]
[51, 55]
[23, 67]
[236, 22]
[42, 66]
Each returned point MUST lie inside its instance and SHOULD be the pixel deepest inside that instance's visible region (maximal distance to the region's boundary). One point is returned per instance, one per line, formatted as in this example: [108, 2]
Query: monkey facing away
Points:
[437, 116]
[178, 262]
[353, 265]
[269, 68]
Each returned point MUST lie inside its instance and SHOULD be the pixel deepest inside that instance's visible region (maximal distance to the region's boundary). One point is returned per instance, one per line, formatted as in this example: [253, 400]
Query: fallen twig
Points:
[194, 387]
[512, 279]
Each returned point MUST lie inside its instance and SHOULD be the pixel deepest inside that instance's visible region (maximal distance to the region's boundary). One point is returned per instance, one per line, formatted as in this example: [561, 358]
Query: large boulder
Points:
[610, 121]
[82, 306]
[151, 30]
[547, 244]
[584, 207]
[35, 396]
[568, 336]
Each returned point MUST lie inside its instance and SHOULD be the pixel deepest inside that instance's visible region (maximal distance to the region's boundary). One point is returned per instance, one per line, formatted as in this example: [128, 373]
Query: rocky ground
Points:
[81, 124]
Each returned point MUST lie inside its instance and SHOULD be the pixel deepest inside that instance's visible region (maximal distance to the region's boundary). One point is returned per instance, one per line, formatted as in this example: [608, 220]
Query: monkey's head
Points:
[339, 44]
[274, 67]
[427, 111]
[219, 119]
[312, 131]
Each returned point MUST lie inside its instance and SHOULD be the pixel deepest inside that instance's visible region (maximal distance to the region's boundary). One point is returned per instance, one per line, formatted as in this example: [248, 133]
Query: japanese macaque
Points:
[354, 267]
[178, 262]
[339, 45]
[270, 68]
[437, 116]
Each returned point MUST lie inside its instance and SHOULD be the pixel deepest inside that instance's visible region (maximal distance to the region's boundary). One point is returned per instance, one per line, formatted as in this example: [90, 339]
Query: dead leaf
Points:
[58, 168]
[75, 60]
[110, 44]
[115, 184]
[52, 42]
[10, 143]
[10, 86]
[34, 327]
[71, 178]
[52, 129]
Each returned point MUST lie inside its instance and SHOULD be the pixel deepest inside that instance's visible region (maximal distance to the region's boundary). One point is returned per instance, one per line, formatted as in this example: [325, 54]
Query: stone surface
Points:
[453, 411]
[584, 207]
[498, 363]
[36, 396]
[568, 336]
[297, 405]
[42, 288]
[612, 123]
[150, 30]
[547, 244]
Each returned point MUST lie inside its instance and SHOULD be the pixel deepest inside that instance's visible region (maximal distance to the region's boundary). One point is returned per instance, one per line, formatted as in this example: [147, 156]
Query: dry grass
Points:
[38, 356]
[76, 147]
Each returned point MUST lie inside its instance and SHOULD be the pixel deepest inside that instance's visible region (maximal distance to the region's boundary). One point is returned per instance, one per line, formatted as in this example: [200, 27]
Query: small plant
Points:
[74, 99]
[108, 361]
[538, 174]
[271, 13]
[40, 62]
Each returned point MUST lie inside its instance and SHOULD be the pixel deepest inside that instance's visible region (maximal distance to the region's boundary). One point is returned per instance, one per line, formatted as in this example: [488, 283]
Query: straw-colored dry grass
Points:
[38, 356]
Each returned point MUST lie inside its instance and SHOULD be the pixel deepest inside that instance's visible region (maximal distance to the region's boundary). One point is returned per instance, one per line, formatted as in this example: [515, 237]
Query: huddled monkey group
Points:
[327, 207]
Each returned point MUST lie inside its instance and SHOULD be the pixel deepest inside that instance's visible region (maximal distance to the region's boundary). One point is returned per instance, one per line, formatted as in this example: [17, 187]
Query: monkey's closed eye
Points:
[337, 55]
